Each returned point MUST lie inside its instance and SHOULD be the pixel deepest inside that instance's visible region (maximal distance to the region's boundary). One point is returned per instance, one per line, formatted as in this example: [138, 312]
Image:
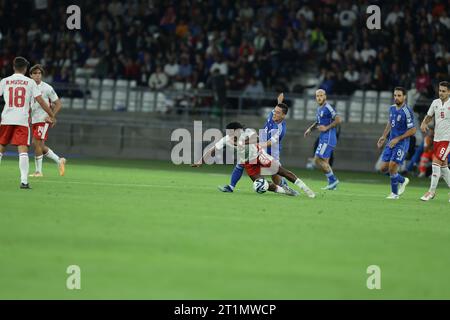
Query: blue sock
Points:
[330, 176]
[283, 182]
[400, 178]
[394, 183]
[236, 175]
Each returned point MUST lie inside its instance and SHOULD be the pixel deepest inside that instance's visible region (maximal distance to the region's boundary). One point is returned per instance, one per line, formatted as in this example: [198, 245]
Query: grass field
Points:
[151, 230]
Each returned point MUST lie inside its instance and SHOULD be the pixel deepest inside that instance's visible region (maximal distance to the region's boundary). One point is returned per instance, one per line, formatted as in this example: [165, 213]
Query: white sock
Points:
[445, 173]
[24, 166]
[435, 177]
[51, 155]
[1, 156]
[280, 190]
[299, 183]
[38, 163]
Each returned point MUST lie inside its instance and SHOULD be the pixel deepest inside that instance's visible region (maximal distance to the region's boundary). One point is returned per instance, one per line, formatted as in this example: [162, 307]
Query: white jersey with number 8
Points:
[19, 93]
[441, 113]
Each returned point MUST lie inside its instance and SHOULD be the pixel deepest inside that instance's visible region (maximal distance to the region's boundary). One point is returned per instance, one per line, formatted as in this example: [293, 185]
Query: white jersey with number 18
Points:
[19, 93]
[441, 113]
[38, 115]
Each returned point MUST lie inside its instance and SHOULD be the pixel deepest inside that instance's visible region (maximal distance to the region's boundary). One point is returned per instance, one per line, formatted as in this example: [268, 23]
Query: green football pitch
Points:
[152, 230]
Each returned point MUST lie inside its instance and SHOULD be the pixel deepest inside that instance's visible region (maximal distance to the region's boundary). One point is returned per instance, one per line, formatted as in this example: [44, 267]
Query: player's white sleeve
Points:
[430, 112]
[221, 143]
[2, 87]
[53, 96]
[35, 90]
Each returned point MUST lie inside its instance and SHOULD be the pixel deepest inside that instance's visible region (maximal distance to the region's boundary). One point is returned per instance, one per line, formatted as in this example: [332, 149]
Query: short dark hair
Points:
[283, 107]
[403, 90]
[234, 126]
[444, 84]
[20, 63]
[37, 67]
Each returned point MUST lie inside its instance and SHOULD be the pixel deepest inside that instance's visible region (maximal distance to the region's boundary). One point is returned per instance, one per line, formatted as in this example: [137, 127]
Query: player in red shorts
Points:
[19, 92]
[440, 111]
[256, 161]
[40, 126]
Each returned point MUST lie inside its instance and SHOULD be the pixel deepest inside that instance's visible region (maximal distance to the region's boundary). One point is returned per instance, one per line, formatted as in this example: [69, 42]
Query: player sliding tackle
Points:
[440, 111]
[274, 132]
[40, 126]
[400, 128]
[254, 158]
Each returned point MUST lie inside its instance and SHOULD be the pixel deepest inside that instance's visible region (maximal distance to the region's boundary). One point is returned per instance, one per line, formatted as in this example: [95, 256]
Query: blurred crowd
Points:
[257, 45]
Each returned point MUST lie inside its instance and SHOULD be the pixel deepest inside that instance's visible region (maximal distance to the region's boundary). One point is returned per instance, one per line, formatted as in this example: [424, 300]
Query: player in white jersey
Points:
[256, 161]
[19, 92]
[440, 111]
[40, 126]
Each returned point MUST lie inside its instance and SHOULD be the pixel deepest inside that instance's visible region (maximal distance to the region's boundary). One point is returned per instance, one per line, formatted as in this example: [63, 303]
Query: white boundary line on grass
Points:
[134, 185]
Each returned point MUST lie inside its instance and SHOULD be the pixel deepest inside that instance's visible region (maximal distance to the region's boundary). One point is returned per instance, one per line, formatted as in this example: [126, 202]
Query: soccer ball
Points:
[261, 185]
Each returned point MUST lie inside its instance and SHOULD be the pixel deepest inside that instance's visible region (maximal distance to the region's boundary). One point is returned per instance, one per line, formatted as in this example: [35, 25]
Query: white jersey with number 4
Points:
[441, 113]
[38, 115]
[19, 93]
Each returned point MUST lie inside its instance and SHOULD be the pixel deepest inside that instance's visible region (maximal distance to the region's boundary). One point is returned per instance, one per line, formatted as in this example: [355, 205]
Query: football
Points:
[260, 185]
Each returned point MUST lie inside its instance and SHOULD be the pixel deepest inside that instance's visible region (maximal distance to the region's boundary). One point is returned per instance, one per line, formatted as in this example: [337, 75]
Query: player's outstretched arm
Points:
[280, 98]
[310, 129]
[383, 138]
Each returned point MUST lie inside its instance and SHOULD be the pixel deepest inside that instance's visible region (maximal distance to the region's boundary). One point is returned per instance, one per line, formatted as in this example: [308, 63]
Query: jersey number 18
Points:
[17, 97]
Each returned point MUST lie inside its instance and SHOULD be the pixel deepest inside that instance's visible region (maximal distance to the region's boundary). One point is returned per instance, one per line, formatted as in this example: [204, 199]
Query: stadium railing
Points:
[126, 96]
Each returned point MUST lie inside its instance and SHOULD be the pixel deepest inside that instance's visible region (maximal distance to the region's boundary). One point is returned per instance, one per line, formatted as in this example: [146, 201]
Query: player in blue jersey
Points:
[274, 131]
[326, 123]
[400, 128]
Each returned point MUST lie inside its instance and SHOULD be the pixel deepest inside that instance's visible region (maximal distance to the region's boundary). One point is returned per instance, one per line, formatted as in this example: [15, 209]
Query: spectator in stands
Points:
[272, 39]
[185, 69]
[158, 80]
[172, 68]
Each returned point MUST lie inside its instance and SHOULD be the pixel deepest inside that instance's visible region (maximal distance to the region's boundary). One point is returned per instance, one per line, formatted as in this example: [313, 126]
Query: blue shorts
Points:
[397, 154]
[324, 150]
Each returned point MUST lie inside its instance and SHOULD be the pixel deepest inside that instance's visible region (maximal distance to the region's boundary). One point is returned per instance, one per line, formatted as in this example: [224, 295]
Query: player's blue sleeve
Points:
[409, 118]
[331, 112]
[283, 131]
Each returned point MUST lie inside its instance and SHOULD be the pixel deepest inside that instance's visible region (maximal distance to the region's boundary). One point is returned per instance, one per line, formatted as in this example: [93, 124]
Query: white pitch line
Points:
[184, 187]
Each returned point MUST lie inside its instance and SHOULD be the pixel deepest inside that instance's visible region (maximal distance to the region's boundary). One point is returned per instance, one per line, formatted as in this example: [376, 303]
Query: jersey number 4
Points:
[17, 97]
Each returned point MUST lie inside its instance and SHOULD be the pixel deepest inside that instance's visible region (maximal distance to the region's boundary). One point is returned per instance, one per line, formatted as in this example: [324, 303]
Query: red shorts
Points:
[441, 150]
[14, 135]
[40, 131]
[264, 160]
